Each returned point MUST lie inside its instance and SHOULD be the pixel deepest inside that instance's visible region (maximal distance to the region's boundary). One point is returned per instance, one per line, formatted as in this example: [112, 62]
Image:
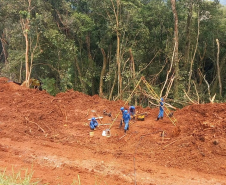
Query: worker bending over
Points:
[132, 111]
[93, 124]
[126, 118]
[161, 110]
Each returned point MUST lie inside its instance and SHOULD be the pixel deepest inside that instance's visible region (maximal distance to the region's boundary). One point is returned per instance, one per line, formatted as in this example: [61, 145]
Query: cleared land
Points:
[51, 136]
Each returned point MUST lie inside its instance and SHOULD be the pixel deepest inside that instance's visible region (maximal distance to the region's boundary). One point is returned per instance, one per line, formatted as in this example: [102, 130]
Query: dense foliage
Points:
[105, 47]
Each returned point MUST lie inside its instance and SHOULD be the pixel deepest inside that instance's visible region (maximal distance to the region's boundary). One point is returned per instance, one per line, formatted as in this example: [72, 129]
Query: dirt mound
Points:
[52, 134]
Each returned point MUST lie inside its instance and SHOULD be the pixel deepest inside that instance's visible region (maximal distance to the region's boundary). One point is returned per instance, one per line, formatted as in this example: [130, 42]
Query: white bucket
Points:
[106, 133]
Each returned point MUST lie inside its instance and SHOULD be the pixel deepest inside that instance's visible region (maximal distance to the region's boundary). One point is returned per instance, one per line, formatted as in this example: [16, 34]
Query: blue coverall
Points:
[161, 110]
[93, 124]
[126, 118]
[132, 110]
[122, 110]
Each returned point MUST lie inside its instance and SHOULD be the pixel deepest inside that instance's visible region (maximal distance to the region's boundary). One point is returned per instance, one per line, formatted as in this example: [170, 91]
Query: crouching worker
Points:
[132, 111]
[126, 118]
[161, 110]
[93, 124]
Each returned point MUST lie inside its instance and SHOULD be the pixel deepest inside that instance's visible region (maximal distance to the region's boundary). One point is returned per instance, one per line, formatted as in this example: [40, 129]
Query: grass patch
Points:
[23, 177]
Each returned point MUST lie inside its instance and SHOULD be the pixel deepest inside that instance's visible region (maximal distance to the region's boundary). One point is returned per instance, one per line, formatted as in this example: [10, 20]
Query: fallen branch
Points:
[105, 124]
[170, 143]
[153, 103]
[35, 124]
[122, 137]
[144, 135]
[168, 105]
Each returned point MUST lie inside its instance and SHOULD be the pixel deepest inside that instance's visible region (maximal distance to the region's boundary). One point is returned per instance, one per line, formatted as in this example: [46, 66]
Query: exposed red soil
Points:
[51, 136]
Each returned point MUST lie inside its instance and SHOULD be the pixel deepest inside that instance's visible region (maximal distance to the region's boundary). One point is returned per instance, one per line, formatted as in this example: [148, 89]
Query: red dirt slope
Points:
[51, 136]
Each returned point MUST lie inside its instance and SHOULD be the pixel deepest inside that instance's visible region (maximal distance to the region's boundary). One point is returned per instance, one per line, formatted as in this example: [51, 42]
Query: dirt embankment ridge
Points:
[51, 136]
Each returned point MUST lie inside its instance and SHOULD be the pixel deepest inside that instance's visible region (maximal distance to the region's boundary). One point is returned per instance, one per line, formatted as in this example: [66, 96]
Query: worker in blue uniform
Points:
[122, 110]
[93, 124]
[161, 110]
[126, 118]
[132, 111]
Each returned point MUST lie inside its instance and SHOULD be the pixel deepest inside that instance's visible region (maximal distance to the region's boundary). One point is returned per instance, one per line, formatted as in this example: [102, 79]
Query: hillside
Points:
[51, 136]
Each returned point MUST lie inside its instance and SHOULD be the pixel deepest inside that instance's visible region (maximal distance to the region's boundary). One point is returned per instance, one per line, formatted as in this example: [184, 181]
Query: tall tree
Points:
[175, 58]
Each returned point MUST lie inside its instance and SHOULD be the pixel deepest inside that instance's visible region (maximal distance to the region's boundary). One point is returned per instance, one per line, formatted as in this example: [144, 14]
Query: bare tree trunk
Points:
[133, 72]
[25, 24]
[188, 42]
[118, 57]
[168, 72]
[218, 68]
[102, 73]
[27, 57]
[176, 61]
[119, 67]
[116, 13]
[193, 58]
[222, 63]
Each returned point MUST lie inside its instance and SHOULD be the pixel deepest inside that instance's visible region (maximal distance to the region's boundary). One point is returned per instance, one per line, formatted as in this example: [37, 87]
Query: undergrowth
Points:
[23, 177]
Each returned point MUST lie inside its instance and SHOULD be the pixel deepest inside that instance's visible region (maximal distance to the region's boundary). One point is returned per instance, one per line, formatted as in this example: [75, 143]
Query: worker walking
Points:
[126, 118]
[93, 124]
[122, 110]
[132, 111]
[161, 110]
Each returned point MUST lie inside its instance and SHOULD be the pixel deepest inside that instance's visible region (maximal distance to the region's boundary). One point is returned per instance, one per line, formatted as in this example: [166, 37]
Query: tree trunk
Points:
[193, 58]
[91, 63]
[133, 73]
[80, 75]
[116, 13]
[188, 42]
[4, 48]
[119, 67]
[25, 24]
[118, 51]
[222, 75]
[102, 73]
[218, 68]
[112, 88]
[176, 61]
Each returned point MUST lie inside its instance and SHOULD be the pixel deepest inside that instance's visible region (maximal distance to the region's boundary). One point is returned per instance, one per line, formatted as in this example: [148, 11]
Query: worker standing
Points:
[93, 124]
[122, 110]
[161, 110]
[132, 111]
[126, 118]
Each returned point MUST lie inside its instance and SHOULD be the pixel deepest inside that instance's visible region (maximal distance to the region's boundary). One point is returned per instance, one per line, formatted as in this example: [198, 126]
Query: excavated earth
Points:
[50, 137]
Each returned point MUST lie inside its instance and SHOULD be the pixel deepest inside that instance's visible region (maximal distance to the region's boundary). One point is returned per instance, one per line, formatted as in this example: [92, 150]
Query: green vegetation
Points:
[21, 178]
[105, 47]
[24, 177]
